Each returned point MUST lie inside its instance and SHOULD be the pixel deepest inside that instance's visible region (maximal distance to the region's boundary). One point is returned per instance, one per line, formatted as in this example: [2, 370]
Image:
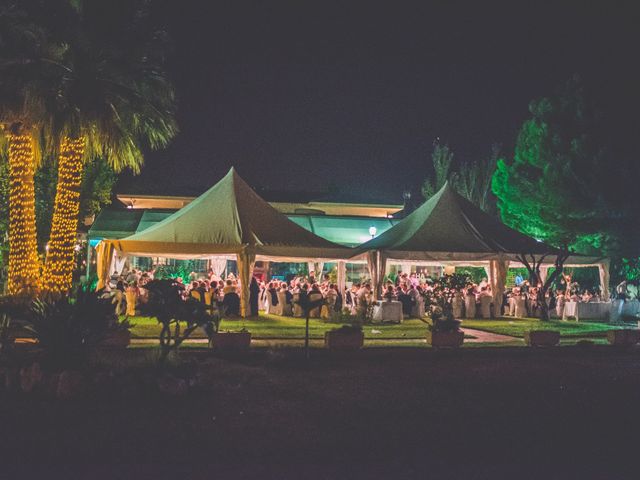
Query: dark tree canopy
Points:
[561, 186]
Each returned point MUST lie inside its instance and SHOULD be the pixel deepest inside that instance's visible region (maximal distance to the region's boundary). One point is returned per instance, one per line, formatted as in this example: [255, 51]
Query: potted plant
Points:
[444, 330]
[118, 335]
[623, 337]
[347, 337]
[231, 341]
[542, 338]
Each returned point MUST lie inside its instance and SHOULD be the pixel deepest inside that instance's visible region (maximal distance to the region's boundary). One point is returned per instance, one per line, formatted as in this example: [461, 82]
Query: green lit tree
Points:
[552, 187]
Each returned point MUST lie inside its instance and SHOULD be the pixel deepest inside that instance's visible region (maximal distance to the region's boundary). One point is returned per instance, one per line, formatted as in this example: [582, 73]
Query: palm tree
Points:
[24, 74]
[114, 100]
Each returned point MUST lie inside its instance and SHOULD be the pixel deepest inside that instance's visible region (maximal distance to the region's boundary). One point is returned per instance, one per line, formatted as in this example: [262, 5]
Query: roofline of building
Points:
[124, 197]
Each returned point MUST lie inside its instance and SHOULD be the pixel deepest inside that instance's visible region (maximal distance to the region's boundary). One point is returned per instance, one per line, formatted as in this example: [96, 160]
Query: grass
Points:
[516, 327]
[274, 326]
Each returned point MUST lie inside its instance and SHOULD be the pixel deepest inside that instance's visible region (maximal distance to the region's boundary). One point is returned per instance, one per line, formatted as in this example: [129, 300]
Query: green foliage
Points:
[625, 269]
[556, 188]
[182, 269]
[473, 274]
[473, 180]
[98, 179]
[70, 329]
[167, 306]
[442, 159]
[438, 301]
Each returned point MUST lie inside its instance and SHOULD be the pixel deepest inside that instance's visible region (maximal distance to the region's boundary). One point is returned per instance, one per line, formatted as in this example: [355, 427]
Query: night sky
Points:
[348, 97]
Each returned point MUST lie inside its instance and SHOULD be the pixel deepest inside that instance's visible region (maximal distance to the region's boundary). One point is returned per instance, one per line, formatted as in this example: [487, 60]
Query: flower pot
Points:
[452, 339]
[120, 339]
[623, 337]
[343, 340]
[542, 338]
[231, 341]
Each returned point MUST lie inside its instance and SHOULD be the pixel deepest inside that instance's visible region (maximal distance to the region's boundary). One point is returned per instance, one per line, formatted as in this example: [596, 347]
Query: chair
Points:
[283, 307]
[485, 306]
[418, 308]
[297, 309]
[231, 304]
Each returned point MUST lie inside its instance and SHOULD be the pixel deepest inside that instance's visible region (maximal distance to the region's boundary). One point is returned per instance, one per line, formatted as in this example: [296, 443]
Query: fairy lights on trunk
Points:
[24, 267]
[64, 226]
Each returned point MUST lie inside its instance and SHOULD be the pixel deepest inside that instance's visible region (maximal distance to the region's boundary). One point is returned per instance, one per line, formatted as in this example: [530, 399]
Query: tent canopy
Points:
[226, 219]
[229, 218]
[449, 224]
[449, 228]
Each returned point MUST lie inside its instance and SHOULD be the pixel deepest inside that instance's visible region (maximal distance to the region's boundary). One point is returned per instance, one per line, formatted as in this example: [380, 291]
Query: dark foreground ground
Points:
[568, 412]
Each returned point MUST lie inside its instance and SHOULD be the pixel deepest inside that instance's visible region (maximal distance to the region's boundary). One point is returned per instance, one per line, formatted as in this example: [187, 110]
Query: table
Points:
[387, 312]
[586, 310]
[626, 308]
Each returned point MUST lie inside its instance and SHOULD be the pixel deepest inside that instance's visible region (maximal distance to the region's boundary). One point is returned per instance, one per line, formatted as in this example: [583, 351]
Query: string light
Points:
[58, 269]
[24, 265]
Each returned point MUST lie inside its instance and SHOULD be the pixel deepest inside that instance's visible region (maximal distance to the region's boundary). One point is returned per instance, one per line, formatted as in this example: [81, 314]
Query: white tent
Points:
[449, 230]
[229, 218]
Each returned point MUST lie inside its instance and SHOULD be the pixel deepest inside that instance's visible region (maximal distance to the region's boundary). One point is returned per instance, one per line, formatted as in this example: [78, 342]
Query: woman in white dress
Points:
[470, 304]
[270, 304]
[456, 304]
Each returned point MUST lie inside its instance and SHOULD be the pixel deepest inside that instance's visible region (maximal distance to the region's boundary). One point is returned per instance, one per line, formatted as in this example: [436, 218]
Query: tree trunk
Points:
[64, 224]
[542, 303]
[24, 265]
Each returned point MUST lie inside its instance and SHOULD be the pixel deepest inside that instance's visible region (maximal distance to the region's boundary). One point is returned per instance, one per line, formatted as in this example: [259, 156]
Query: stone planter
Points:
[623, 337]
[119, 339]
[452, 339]
[344, 340]
[232, 341]
[542, 338]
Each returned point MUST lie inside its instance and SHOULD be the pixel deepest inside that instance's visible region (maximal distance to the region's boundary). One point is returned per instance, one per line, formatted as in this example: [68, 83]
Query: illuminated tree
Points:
[552, 188]
[24, 66]
[115, 99]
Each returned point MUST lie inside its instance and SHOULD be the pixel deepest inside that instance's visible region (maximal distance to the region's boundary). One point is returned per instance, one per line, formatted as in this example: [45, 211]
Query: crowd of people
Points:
[129, 295]
[474, 300]
[523, 300]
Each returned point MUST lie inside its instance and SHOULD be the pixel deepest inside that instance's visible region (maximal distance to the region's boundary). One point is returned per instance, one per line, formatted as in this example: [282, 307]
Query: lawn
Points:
[274, 326]
[517, 326]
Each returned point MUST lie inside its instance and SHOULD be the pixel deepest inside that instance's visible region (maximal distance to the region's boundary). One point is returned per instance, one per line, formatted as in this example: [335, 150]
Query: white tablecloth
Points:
[586, 310]
[387, 312]
[623, 308]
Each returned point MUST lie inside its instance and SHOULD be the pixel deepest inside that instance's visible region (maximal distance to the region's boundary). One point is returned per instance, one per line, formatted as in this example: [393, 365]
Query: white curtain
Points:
[316, 269]
[342, 275]
[105, 252]
[377, 264]
[246, 261]
[218, 265]
[544, 271]
[118, 263]
[603, 270]
[498, 278]
[487, 270]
